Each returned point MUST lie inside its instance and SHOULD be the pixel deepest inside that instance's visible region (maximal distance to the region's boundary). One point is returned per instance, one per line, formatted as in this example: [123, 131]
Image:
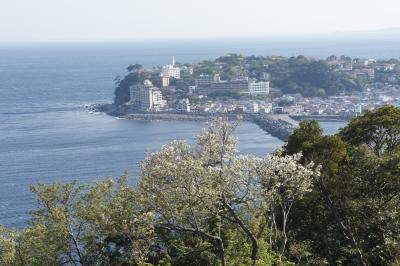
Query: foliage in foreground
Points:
[352, 216]
[321, 200]
[201, 205]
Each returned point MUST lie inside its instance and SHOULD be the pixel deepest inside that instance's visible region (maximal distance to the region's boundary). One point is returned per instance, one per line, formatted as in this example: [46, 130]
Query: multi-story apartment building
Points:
[363, 72]
[258, 88]
[147, 97]
[241, 85]
[236, 85]
[151, 100]
[206, 80]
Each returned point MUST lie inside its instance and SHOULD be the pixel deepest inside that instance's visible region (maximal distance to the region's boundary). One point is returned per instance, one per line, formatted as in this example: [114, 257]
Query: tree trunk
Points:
[246, 230]
[76, 244]
[221, 252]
[283, 246]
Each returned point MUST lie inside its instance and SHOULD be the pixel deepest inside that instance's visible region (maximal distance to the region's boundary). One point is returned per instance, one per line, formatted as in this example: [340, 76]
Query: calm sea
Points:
[47, 136]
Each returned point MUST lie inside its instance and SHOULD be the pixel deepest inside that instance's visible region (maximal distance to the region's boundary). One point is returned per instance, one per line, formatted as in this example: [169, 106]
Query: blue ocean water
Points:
[47, 136]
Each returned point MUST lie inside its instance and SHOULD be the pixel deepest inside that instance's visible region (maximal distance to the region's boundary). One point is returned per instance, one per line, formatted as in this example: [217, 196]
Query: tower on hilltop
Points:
[171, 71]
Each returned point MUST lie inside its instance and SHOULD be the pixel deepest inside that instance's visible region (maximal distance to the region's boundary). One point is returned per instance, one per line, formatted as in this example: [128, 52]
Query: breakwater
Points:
[327, 118]
[174, 116]
[275, 125]
[278, 128]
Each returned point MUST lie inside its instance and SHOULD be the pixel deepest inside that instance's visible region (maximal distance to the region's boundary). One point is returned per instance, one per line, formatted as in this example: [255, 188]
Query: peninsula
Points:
[273, 92]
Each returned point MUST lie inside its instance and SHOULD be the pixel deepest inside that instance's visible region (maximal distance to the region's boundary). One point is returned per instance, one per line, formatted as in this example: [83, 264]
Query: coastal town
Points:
[185, 89]
[276, 93]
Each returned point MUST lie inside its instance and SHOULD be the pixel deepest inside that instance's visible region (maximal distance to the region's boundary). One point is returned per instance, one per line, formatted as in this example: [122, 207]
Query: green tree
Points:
[379, 130]
[354, 203]
[102, 224]
[135, 67]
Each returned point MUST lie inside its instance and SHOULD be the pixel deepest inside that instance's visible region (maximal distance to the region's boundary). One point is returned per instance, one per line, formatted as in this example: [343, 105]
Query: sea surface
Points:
[46, 135]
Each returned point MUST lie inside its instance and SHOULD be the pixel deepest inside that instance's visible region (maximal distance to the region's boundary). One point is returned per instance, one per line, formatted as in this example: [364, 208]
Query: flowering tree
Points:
[188, 187]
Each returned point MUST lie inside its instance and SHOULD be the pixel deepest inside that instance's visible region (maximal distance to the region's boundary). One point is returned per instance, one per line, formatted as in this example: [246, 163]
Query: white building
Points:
[255, 108]
[183, 106]
[267, 108]
[152, 100]
[171, 71]
[192, 89]
[147, 97]
[258, 88]
[358, 109]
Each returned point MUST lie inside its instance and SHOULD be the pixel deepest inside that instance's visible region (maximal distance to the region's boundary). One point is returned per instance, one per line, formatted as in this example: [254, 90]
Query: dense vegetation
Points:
[309, 77]
[320, 200]
[352, 216]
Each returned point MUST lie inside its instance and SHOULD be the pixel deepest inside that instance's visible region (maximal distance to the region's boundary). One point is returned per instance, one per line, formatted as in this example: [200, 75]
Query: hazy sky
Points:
[114, 20]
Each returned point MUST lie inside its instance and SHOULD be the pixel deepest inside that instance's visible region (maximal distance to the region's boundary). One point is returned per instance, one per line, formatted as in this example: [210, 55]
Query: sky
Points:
[126, 20]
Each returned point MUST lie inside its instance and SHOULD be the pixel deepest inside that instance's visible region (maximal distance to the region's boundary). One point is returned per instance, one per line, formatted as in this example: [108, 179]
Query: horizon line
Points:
[386, 32]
